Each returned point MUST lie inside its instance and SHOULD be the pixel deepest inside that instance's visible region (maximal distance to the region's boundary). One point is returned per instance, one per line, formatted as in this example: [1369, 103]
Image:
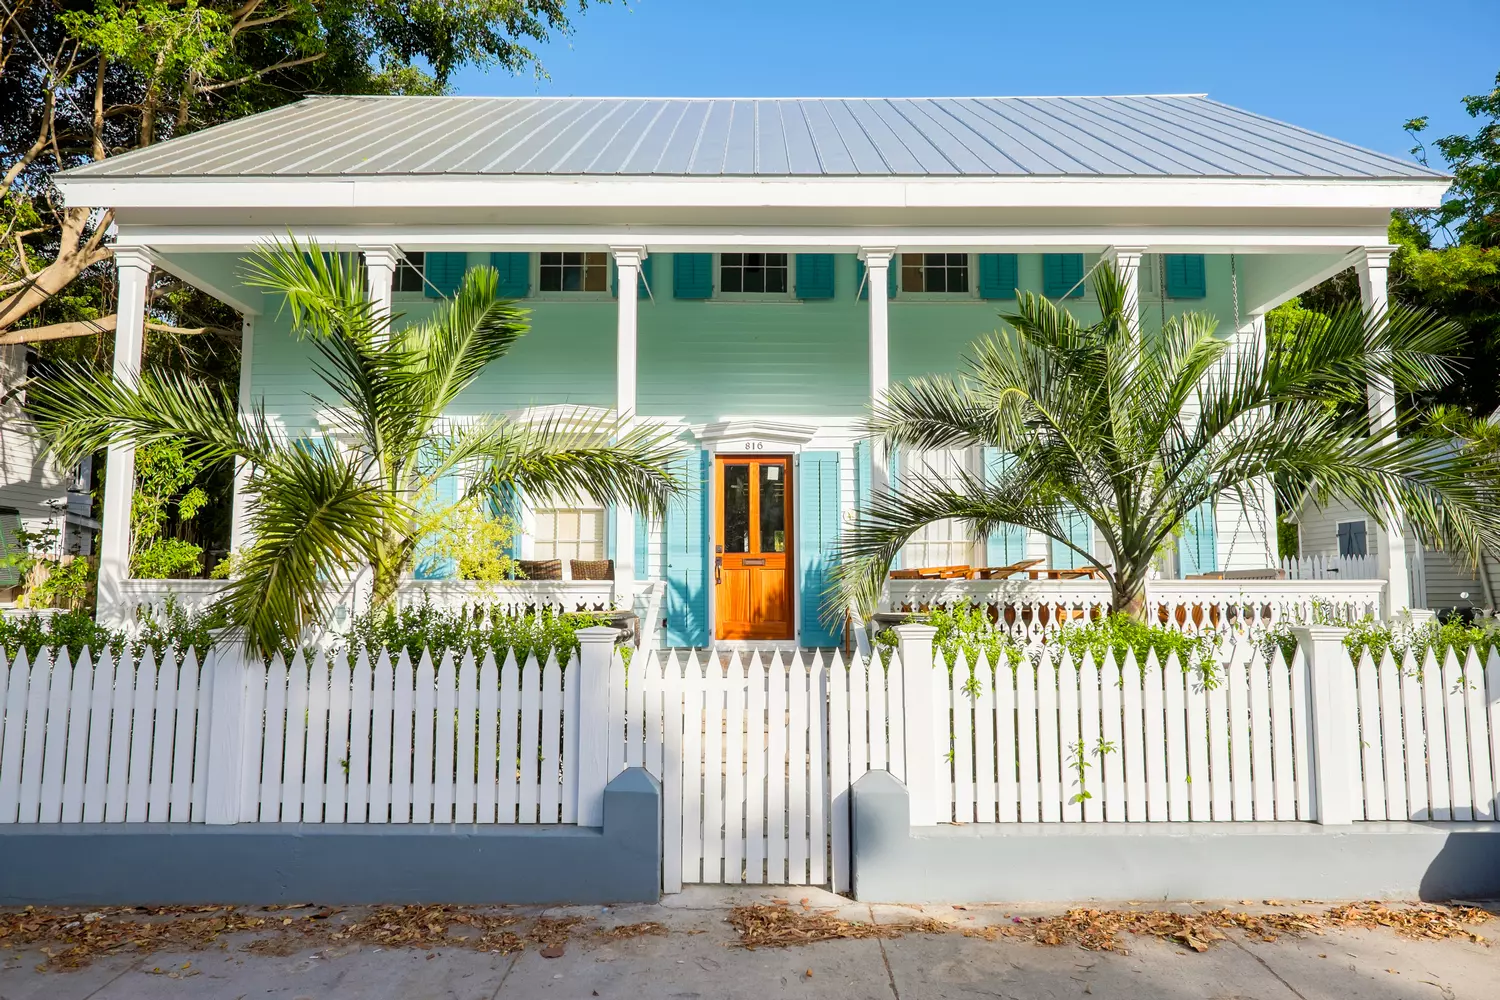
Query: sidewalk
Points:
[686, 948]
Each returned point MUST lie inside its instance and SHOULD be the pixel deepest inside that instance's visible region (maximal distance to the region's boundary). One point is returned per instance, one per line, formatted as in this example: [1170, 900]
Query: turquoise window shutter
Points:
[1198, 548]
[890, 279]
[1080, 531]
[505, 503]
[1060, 273]
[1006, 544]
[1185, 276]
[444, 273]
[686, 529]
[692, 275]
[515, 274]
[863, 475]
[640, 285]
[432, 566]
[817, 551]
[999, 275]
[815, 276]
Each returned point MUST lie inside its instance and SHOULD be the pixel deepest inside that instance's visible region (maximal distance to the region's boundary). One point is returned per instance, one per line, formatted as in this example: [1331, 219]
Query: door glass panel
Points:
[736, 508]
[772, 508]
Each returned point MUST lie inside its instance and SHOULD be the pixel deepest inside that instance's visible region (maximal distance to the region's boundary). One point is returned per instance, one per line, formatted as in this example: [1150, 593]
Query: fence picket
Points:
[200, 745]
[1281, 736]
[1433, 702]
[96, 779]
[755, 773]
[1301, 735]
[1460, 788]
[1221, 778]
[895, 701]
[985, 746]
[1132, 738]
[466, 740]
[54, 754]
[78, 738]
[1478, 729]
[549, 795]
[694, 714]
[571, 694]
[509, 747]
[734, 771]
[1263, 789]
[1371, 782]
[315, 766]
[1111, 731]
[876, 714]
[10, 736]
[817, 790]
[796, 792]
[489, 739]
[1065, 747]
[33, 725]
[294, 770]
[1238, 733]
[618, 714]
[531, 740]
[962, 745]
[715, 699]
[1050, 788]
[1492, 695]
[361, 716]
[1414, 739]
[1090, 735]
[1189, 790]
[164, 727]
[840, 715]
[445, 711]
[1008, 797]
[673, 764]
[180, 800]
[138, 785]
[336, 766]
[1154, 747]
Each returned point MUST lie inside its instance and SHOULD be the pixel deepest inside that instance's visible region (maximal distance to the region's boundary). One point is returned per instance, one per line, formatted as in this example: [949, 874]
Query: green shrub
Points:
[1398, 637]
[171, 628]
[426, 626]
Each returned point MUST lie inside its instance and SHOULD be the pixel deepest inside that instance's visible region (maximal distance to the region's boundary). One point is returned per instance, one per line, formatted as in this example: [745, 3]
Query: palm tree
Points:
[1137, 429]
[326, 506]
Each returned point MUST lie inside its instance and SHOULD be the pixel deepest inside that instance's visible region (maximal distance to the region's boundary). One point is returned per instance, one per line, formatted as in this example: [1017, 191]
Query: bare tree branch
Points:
[288, 64]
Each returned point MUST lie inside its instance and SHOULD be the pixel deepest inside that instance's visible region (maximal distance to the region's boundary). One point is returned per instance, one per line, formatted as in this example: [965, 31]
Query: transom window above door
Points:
[573, 272]
[935, 272]
[753, 272]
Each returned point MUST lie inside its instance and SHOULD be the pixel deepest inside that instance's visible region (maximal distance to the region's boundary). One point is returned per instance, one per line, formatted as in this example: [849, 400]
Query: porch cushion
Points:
[541, 569]
[592, 569]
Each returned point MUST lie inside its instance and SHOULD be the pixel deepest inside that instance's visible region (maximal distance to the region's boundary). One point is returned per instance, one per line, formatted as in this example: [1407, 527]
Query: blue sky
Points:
[1355, 69]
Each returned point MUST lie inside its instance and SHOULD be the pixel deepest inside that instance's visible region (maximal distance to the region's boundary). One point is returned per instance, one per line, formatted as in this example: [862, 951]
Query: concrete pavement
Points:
[697, 957]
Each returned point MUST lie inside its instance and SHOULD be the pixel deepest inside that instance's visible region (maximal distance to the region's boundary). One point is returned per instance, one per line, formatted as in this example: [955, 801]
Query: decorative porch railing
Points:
[1030, 609]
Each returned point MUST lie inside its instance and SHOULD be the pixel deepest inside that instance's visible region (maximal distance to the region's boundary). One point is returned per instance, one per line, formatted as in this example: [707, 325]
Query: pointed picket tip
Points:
[1174, 662]
[425, 662]
[299, 661]
[362, 660]
[21, 663]
[488, 663]
[1366, 662]
[510, 667]
[85, 660]
[1153, 662]
[148, 660]
[63, 662]
[403, 660]
[1429, 663]
[190, 662]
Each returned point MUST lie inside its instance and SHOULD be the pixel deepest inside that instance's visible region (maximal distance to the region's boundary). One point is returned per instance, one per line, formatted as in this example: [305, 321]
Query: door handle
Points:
[718, 569]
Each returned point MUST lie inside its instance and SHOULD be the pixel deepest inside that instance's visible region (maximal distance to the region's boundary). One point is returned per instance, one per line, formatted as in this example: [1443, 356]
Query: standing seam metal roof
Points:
[1146, 136]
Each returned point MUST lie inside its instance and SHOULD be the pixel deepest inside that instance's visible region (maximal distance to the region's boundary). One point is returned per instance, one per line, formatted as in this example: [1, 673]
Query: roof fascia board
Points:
[835, 239]
[643, 192]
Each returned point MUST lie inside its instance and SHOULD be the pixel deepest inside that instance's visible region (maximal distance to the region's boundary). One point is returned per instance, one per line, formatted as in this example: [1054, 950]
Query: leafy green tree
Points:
[82, 80]
[165, 490]
[324, 507]
[1138, 429]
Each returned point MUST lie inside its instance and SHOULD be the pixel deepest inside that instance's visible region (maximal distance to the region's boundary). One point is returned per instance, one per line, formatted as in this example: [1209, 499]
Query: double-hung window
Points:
[941, 543]
[935, 272]
[409, 270]
[571, 532]
[753, 272]
[573, 272]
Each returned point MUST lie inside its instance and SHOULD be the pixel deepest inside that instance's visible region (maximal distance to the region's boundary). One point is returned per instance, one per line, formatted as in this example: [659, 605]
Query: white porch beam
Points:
[1374, 268]
[877, 268]
[133, 266]
[628, 261]
[1243, 239]
[1126, 260]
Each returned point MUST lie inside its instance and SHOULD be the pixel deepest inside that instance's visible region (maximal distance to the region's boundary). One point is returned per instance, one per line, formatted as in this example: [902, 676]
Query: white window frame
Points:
[535, 266]
[403, 263]
[902, 295]
[790, 295]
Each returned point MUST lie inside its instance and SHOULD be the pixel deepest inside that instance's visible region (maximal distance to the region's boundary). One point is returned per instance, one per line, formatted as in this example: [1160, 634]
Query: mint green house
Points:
[752, 272]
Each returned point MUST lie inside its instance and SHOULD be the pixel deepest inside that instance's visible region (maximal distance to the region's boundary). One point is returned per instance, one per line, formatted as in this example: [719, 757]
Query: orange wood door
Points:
[752, 548]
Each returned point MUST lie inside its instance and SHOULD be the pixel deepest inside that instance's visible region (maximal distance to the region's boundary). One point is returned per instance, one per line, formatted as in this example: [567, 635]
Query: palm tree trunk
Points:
[1128, 595]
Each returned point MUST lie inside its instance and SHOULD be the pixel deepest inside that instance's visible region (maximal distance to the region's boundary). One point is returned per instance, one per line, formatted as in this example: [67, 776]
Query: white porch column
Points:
[238, 530]
[877, 268]
[1373, 270]
[380, 275]
[133, 265]
[628, 263]
[1127, 264]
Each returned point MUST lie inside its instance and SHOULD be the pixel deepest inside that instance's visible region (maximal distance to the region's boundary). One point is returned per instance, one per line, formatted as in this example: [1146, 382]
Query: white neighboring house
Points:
[1439, 578]
[35, 493]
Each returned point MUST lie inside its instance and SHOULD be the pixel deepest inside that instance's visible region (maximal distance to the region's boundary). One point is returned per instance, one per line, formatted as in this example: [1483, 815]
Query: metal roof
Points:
[1147, 136]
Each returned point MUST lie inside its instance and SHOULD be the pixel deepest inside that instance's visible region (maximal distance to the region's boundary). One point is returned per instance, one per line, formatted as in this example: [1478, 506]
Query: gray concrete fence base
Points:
[894, 862]
[178, 863]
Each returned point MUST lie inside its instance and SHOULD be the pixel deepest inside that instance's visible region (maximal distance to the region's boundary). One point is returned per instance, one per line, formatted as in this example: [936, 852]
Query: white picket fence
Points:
[1330, 567]
[103, 740]
[1429, 738]
[740, 745]
[490, 742]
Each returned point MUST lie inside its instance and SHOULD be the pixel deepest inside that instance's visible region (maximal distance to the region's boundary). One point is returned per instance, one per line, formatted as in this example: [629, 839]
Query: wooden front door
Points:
[752, 548]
